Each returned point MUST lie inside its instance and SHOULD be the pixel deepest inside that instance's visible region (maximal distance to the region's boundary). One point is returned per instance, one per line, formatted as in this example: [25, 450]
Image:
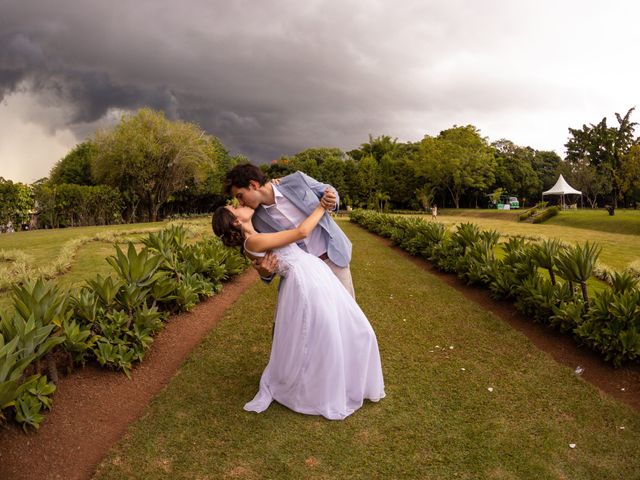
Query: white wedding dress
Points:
[324, 357]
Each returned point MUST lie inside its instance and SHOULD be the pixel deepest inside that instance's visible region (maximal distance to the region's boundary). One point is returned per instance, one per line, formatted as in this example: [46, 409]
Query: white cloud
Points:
[28, 147]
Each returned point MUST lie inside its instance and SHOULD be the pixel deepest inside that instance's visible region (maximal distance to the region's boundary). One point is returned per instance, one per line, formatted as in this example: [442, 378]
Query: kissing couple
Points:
[324, 356]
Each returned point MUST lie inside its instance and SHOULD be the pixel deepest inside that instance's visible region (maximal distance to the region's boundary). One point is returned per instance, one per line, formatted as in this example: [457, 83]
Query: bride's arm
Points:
[261, 242]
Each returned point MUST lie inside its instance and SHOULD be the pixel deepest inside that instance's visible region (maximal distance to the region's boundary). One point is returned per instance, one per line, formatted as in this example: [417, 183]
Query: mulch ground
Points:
[93, 407]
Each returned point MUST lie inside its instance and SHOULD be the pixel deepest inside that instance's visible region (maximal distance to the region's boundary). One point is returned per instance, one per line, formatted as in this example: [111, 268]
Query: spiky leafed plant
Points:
[466, 235]
[544, 254]
[575, 264]
[623, 282]
[135, 268]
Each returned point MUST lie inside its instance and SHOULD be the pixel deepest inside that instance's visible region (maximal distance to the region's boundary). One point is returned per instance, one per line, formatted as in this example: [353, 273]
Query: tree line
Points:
[148, 167]
[460, 168]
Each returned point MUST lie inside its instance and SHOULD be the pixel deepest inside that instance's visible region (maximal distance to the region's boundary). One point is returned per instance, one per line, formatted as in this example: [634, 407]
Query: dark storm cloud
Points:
[268, 78]
[91, 92]
[273, 77]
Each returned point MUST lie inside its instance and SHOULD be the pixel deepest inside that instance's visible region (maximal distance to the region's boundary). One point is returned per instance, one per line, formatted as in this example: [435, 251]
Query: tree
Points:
[514, 170]
[279, 168]
[545, 163]
[376, 148]
[75, 167]
[368, 180]
[586, 178]
[604, 147]
[458, 161]
[331, 171]
[16, 203]
[148, 158]
[630, 173]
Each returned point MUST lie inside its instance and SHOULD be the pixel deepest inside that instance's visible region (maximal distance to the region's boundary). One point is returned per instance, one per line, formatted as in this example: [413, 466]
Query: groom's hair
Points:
[241, 175]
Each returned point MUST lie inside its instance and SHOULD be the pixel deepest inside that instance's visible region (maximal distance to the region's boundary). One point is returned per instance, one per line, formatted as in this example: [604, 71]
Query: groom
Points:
[285, 205]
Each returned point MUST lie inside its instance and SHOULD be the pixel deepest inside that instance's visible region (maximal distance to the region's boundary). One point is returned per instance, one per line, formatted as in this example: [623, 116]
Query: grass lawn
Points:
[624, 221]
[43, 246]
[439, 419]
[618, 249]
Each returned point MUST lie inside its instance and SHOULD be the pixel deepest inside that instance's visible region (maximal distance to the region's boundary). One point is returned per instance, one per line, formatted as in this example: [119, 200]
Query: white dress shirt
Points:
[289, 216]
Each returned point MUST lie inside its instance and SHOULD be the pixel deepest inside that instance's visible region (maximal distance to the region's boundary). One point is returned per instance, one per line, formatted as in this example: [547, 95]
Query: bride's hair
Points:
[223, 226]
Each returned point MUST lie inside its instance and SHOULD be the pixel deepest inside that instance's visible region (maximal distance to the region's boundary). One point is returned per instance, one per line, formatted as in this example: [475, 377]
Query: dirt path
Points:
[93, 407]
[621, 383]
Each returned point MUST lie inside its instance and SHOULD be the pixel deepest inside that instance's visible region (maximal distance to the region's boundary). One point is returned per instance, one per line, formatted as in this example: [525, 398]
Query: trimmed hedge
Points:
[546, 280]
[546, 214]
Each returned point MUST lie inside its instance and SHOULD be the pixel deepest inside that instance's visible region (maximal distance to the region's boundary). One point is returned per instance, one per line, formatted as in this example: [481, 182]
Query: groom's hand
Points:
[266, 266]
[328, 200]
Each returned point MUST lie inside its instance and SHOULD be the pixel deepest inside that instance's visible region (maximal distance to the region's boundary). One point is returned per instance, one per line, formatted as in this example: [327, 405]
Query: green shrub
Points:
[612, 325]
[546, 214]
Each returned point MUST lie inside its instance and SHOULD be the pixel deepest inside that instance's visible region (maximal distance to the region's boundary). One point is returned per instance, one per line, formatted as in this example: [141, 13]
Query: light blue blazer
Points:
[305, 193]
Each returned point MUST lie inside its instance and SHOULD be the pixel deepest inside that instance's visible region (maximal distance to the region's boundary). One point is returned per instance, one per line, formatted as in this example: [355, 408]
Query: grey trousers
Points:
[344, 275]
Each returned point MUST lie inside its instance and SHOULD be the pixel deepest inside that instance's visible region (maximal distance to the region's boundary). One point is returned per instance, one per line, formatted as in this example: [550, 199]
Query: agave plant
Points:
[611, 325]
[105, 289]
[544, 254]
[135, 268]
[12, 366]
[623, 282]
[170, 244]
[28, 410]
[42, 300]
[466, 235]
[576, 263]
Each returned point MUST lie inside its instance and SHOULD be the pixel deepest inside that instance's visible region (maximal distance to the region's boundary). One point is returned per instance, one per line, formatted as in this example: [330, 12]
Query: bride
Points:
[324, 357]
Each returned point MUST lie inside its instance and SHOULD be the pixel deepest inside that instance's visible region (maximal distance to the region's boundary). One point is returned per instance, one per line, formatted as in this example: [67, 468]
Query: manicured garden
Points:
[545, 278]
[467, 397]
[108, 317]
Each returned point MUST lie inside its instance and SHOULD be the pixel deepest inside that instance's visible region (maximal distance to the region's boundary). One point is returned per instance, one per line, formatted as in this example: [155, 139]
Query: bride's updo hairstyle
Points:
[223, 226]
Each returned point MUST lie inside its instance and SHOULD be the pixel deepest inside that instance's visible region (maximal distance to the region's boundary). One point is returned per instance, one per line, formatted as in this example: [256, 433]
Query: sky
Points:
[271, 78]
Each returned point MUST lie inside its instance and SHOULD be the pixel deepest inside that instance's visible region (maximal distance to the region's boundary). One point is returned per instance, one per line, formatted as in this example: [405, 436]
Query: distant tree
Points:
[75, 167]
[545, 164]
[279, 168]
[368, 180]
[586, 178]
[514, 170]
[376, 148]
[604, 147]
[71, 205]
[459, 160]
[319, 155]
[331, 171]
[148, 158]
[16, 203]
[351, 189]
[630, 174]
[398, 178]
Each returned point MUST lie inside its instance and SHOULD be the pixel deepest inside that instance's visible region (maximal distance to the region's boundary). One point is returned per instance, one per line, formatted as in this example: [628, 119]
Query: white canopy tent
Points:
[562, 188]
